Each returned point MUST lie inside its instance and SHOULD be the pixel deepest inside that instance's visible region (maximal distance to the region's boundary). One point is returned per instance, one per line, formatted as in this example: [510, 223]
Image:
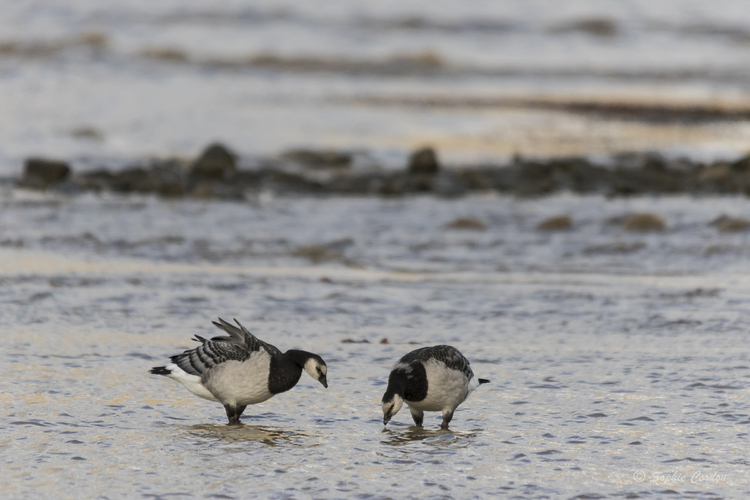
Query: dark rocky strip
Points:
[215, 174]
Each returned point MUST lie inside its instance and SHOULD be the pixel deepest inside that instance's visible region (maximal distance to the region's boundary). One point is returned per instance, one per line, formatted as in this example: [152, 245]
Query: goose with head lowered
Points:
[437, 378]
[240, 369]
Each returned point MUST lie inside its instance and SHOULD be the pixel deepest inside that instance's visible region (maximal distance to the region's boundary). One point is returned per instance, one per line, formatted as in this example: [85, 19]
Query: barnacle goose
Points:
[240, 369]
[435, 378]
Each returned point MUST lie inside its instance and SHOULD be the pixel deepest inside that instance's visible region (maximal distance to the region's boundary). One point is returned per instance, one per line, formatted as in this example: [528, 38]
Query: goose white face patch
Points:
[391, 407]
[317, 370]
[311, 367]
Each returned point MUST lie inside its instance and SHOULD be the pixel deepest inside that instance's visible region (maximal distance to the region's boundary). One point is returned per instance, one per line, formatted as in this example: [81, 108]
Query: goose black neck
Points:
[286, 370]
[297, 356]
[396, 385]
[411, 384]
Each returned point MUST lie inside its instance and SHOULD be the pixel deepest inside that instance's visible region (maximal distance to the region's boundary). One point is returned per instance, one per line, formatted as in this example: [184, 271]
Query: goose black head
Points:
[317, 369]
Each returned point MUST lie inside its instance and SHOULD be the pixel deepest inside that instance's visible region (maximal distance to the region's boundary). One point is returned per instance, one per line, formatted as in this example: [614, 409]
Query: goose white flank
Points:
[240, 370]
[435, 378]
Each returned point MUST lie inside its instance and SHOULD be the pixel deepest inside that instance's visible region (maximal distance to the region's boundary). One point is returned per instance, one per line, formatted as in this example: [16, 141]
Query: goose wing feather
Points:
[238, 346]
[243, 338]
[448, 355]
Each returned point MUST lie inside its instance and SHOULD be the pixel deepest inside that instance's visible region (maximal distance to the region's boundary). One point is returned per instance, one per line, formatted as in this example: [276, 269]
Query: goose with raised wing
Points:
[437, 378]
[240, 370]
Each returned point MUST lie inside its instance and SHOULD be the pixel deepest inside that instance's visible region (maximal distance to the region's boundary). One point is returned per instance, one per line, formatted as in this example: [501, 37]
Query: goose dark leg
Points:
[447, 417]
[418, 416]
[233, 413]
[230, 414]
[238, 411]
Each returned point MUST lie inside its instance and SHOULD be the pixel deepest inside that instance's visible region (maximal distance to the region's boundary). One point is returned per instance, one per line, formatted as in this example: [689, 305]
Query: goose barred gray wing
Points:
[243, 338]
[450, 356]
[211, 353]
[238, 347]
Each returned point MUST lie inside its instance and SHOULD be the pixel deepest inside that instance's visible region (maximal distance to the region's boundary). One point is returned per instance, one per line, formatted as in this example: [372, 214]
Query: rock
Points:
[166, 54]
[215, 163]
[485, 179]
[534, 179]
[449, 185]
[215, 175]
[94, 180]
[643, 222]
[325, 158]
[600, 27]
[742, 165]
[203, 190]
[280, 181]
[556, 223]
[467, 223]
[719, 177]
[419, 183]
[726, 224]
[423, 161]
[87, 133]
[39, 173]
[716, 172]
[327, 252]
[218, 190]
[719, 250]
[168, 178]
[135, 179]
[650, 179]
[162, 177]
[617, 247]
[578, 175]
[359, 184]
[393, 184]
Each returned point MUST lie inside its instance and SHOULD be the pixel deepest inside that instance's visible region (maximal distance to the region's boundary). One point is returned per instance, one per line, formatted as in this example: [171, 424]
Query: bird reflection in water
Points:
[437, 437]
[250, 433]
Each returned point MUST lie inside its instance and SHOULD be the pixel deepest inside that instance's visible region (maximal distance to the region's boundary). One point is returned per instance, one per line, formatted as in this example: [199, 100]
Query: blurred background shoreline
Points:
[107, 83]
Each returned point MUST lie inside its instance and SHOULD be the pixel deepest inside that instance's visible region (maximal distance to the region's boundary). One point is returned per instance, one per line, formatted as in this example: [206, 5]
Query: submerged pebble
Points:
[644, 222]
[556, 223]
[467, 223]
[727, 224]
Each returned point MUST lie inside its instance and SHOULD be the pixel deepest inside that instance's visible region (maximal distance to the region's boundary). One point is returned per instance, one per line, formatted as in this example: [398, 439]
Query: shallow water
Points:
[615, 373]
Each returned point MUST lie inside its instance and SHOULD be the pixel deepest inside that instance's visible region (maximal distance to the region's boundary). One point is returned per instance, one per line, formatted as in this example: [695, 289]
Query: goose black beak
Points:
[387, 418]
[323, 380]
